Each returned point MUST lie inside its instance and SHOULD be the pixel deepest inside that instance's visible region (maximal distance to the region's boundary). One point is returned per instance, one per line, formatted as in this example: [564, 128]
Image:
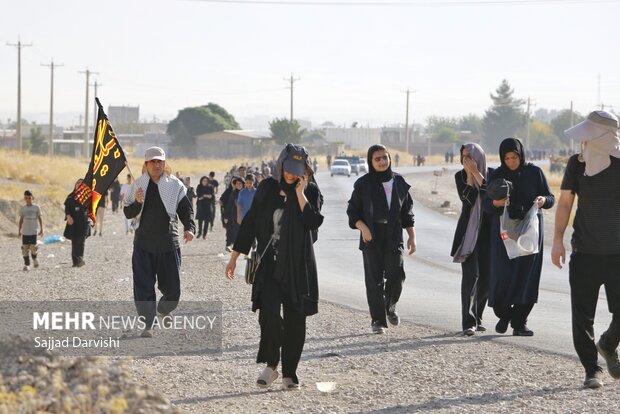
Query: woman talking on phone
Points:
[284, 219]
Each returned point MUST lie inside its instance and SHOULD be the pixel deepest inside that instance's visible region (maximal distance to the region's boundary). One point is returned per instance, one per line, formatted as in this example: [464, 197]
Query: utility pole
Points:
[88, 73]
[407, 122]
[572, 122]
[50, 145]
[292, 81]
[95, 85]
[19, 46]
[527, 137]
[599, 90]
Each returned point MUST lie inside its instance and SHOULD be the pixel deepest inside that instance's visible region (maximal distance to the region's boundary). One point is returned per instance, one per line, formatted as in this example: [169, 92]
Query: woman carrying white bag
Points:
[513, 284]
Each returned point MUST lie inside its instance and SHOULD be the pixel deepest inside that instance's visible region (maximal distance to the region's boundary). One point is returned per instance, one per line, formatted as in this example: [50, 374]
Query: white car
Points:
[340, 167]
[362, 167]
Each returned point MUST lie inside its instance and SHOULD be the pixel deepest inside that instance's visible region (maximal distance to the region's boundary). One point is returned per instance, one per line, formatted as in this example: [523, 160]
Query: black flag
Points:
[106, 163]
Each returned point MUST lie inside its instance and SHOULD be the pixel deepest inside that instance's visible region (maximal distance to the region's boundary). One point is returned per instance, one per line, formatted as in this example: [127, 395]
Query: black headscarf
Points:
[201, 188]
[382, 176]
[512, 145]
[515, 210]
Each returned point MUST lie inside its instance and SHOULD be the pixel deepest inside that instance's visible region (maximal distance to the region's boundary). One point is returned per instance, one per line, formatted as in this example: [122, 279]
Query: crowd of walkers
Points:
[275, 209]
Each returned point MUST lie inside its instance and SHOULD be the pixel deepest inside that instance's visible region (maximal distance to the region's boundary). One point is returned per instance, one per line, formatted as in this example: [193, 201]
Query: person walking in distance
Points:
[158, 201]
[592, 178]
[101, 208]
[29, 216]
[77, 228]
[380, 208]
[125, 190]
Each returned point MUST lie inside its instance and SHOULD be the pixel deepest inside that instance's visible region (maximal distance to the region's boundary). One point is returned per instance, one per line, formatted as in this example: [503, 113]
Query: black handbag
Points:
[252, 262]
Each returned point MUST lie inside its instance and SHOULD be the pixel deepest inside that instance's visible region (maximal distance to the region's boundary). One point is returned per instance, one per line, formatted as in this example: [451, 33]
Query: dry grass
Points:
[53, 178]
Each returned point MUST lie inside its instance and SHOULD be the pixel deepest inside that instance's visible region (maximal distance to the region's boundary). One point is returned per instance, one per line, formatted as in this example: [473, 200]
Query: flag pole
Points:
[133, 179]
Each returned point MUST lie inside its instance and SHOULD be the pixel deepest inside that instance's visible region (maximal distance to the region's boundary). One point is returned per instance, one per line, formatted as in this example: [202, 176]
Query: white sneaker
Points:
[26, 268]
[35, 263]
[266, 377]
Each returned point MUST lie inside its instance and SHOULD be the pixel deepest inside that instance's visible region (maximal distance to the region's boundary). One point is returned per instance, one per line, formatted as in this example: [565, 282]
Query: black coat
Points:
[401, 211]
[80, 227]
[516, 281]
[468, 195]
[258, 224]
[203, 204]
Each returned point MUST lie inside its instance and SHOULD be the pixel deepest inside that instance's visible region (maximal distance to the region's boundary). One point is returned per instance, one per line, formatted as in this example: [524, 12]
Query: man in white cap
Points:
[158, 200]
[593, 175]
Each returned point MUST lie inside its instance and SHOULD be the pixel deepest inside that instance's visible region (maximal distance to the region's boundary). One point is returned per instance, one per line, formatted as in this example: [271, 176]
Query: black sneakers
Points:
[611, 358]
[393, 318]
[523, 332]
[502, 326]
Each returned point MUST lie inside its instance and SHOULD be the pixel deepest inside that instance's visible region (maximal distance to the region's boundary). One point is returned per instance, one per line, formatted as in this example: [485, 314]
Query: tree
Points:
[471, 123]
[313, 135]
[447, 135]
[198, 120]
[541, 136]
[435, 123]
[562, 122]
[38, 145]
[284, 131]
[504, 117]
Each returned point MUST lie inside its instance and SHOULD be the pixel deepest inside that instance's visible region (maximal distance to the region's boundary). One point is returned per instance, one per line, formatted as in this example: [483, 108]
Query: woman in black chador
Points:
[204, 197]
[284, 219]
[77, 228]
[380, 208]
[513, 285]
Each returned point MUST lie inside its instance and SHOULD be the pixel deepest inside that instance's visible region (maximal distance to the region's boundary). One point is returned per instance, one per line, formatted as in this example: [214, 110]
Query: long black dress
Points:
[516, 281]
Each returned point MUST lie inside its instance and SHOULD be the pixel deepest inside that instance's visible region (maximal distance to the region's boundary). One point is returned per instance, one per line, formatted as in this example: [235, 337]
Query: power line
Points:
[410, 3]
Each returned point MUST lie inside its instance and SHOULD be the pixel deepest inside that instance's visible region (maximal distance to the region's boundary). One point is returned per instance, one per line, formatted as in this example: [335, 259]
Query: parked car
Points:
[353, 162]
[362, 166]
[340, 167]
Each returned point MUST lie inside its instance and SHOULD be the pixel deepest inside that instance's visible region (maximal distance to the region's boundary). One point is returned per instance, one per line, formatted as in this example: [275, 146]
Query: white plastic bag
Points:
[520, 236]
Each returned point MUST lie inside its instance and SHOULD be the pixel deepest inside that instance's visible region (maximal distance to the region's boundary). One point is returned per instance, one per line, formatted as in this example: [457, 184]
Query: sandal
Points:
[289, 385]
[266, 378]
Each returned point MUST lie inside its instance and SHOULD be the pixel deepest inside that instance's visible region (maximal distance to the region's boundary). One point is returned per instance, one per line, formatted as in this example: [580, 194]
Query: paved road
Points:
[431, 295]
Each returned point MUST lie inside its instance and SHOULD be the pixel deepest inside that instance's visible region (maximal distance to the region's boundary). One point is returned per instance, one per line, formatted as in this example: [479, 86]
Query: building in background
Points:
[123, 115]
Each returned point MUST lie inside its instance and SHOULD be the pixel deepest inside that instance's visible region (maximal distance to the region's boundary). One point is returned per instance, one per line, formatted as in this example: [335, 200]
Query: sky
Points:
[354, 62]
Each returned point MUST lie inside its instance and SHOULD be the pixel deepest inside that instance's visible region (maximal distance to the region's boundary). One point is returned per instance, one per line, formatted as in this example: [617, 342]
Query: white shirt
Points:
[387, 187]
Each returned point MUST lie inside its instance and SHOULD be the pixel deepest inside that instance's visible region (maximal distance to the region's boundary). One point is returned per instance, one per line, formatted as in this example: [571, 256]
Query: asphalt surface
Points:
[431, 295]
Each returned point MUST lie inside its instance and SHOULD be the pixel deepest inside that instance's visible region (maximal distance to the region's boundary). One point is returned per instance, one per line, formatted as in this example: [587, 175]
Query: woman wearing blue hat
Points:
[284, 219]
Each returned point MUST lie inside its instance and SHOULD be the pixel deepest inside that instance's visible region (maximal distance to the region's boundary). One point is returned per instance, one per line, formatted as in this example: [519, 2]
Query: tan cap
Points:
[154, 153]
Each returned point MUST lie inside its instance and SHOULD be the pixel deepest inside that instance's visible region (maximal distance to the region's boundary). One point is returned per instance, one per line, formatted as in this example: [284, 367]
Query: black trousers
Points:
[77, 249]
[384, 275]
[587, 272]
[212, 216]
[201, 231]
[286, 333]
[148, 268]
[474, 286]
[232, 228]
